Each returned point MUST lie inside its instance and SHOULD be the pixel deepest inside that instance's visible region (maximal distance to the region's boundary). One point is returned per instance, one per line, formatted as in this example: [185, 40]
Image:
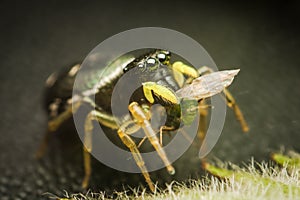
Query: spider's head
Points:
[150, 62]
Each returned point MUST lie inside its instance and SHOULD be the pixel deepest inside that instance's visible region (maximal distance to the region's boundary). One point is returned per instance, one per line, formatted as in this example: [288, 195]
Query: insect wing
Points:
[208, 85]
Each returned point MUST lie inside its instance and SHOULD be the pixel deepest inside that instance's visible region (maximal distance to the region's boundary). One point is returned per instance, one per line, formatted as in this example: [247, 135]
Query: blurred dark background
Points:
[38, 38]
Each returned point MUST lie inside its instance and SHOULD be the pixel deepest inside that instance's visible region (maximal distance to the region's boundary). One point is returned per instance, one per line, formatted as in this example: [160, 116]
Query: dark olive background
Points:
[37, 38]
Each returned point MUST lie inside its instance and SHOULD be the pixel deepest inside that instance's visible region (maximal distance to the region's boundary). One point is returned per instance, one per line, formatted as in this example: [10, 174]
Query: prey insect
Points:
[170, 84]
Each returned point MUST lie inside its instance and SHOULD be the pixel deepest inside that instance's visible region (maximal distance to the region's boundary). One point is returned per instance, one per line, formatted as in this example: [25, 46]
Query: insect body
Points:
[160, 82]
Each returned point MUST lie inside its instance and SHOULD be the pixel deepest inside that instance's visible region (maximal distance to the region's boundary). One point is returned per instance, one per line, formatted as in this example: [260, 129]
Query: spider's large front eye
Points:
[164, 57]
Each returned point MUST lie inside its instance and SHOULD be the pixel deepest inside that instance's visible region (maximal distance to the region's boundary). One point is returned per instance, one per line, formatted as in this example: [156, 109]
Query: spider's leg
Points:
[103, 118]
[161, 130]
[141, 119]
[126, 139]
[124, 132]
[141, 142]
[202, 128]
[202, 107]
[55, 123]
[230, 101]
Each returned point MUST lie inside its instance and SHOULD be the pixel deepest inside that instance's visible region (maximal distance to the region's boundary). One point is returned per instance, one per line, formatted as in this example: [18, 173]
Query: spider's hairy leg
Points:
[54, 124]
[103, 118]
[141, 119]
[230, 101]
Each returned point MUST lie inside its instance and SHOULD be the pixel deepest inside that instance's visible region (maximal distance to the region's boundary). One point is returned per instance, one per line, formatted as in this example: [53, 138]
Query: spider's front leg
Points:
[130, 144]
[142, 120]
[124, 132]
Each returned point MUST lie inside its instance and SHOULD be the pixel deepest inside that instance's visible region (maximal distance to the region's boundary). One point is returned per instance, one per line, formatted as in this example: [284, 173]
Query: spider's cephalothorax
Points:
[160, 82]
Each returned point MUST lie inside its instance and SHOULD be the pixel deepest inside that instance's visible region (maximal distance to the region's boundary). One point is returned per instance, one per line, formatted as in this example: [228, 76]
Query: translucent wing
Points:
[208, 85]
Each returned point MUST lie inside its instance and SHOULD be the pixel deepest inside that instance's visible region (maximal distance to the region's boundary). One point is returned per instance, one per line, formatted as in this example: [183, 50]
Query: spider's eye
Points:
[140, 66]
[164, 58]
[151, 63]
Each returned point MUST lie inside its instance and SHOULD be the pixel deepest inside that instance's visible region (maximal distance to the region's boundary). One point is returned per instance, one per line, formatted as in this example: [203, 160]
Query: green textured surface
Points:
[38, 38]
